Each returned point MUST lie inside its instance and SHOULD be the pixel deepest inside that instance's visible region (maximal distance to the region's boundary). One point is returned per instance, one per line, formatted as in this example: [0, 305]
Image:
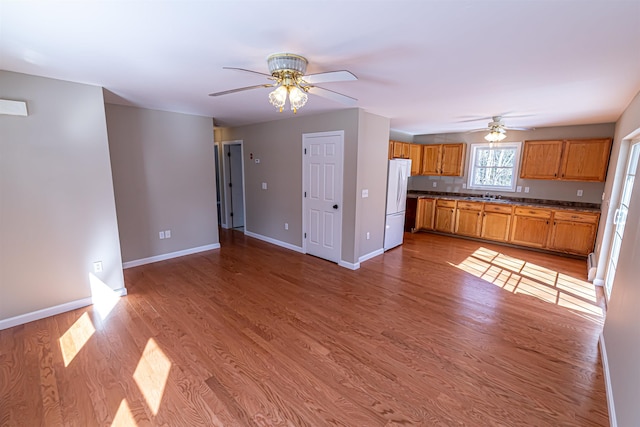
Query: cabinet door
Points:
[468, 218]
[530, 227]
[495, 226]
[425, 214]
[431, 159]
[398, 149]
[415, 154]
[572, 237]
[444, 220]
[391, 150]
[468, 222]
[541, 159]
[585, 160]
[452, 159]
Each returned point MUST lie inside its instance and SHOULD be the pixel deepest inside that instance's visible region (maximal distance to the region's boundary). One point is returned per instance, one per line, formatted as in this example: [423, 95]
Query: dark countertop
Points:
[539, 203]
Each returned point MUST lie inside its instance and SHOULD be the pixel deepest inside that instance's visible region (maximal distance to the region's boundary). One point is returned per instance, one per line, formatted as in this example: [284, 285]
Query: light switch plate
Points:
[365, 193]
[264, 185]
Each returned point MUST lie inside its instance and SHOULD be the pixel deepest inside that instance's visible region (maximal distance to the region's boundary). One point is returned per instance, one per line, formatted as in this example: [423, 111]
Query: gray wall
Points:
[164, 179]
[278, 145]
[57, 211]
[621, 334]
[373, 145]
[538, 189]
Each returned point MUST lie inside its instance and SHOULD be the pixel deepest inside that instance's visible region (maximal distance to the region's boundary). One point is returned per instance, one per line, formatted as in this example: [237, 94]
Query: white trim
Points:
[607, 383]
[274, 241]
[349, 265]
[598, 282]
[163, 257]
[370, 255]
[52, 311]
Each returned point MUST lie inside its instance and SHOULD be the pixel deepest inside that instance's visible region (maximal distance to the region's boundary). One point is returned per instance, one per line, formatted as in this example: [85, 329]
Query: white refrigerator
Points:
[397, 181]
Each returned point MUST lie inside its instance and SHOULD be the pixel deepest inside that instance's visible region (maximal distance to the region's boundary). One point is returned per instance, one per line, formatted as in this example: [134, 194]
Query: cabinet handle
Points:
[547, 222]
[555, 175]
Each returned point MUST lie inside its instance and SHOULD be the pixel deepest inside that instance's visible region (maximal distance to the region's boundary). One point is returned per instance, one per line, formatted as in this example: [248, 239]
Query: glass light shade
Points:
[278, 97]
[495, 136]
[297, 98]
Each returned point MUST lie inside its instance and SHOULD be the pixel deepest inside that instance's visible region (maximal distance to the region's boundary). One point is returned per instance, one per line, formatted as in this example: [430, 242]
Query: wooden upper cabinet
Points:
[571, 160]
[431, 159]
[585, 160]
[452, 159]
[415, 154]
[443, 159]
[541, 159]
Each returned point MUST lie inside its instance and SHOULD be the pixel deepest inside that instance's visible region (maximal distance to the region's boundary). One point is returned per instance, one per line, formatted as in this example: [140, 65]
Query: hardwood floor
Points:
[440, 331]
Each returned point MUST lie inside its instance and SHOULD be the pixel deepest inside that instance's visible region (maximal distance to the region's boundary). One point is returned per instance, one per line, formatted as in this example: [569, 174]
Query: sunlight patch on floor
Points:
[521, 277]
[72, 341]
[151, 374]
[102, 296]
[123, 417]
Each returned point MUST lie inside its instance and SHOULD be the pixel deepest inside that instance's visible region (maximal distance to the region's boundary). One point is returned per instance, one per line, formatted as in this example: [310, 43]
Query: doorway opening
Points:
[233, 185]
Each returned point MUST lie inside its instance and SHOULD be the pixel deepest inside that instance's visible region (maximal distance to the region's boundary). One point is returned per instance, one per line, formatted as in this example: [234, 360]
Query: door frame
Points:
[305, 187]
[612, 204]
[225, 185]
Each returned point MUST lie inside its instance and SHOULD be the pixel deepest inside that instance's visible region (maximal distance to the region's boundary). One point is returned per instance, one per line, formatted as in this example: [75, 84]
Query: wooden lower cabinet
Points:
[530, 227]
[573, 232]
[425, 214]
[468, 219]
[445, 215]
[496, 222]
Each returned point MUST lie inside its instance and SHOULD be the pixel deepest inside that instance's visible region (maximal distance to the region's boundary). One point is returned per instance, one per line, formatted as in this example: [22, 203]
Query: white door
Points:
[620, 217]
[322, 198]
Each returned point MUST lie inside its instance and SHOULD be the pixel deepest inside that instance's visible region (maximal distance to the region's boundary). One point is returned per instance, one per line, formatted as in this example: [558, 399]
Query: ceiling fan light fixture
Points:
[297, 98]
[496, 135]
[278, 97]
[279, 62]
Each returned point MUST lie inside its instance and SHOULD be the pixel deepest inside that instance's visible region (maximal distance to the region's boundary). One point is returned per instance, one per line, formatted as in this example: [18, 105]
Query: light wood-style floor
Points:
[440, 331]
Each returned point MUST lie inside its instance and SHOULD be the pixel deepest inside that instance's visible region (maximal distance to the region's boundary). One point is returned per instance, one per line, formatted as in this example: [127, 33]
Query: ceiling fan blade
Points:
[332, 95]
[241, 89]
[511, 128]
[247, 71]
[330, 76]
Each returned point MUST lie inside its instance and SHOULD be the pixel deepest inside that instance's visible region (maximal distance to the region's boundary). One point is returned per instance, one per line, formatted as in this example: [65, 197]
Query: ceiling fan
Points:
[287, 71]
[497, 129]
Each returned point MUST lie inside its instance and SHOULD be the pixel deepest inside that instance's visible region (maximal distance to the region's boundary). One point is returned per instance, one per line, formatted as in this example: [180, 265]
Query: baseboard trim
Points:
[607, 382]
[52, 311]
[370, 255]
[164, 257]
[274, 241]
[349, 265]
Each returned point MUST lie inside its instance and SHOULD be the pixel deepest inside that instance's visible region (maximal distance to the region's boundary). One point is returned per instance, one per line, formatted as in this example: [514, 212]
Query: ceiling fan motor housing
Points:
[283, 63]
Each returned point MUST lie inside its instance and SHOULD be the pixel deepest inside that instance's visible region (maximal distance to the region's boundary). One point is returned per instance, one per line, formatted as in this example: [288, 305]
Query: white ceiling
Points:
[427, 65]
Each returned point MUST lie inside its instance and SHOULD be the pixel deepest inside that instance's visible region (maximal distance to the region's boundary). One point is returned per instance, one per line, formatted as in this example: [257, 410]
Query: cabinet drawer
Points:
[472, 206]
[488, 207]
[446, 203]
[576, 216]
[537, 213]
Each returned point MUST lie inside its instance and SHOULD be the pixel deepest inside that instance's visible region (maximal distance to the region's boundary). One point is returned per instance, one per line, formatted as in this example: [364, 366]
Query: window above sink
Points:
[494, 166]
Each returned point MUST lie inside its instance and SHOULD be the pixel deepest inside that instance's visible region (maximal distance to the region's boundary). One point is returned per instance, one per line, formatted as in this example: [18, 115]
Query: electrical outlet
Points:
[464, 185]
[579, 193]
[97, 267]
[435, 184]
[257, 161]
[286, 225]
[368, 235]
[519, 189]
[167, 234]
[161, 234]
[264, 185]
[526, 189]
[365, 193]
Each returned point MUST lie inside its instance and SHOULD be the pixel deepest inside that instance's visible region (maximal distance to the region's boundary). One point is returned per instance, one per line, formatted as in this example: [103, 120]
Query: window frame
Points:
[494, 145]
